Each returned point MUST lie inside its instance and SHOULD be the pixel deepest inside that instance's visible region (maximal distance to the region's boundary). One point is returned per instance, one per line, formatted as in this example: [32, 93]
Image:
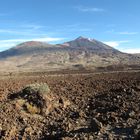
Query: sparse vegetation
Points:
[32, 109]
[79, 106]
[33, 98]
[36, 96]
[41, 88]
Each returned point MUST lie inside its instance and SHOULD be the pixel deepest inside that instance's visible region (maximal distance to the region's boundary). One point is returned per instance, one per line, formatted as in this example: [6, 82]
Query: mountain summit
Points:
[83, 52]
[82, 42]
[32, 44]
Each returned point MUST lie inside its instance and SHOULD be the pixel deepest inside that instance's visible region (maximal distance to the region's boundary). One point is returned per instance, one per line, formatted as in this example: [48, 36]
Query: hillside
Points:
[79, 53]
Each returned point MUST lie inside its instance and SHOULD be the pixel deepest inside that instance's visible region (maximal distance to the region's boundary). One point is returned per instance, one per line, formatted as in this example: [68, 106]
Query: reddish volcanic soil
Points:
[84, 107]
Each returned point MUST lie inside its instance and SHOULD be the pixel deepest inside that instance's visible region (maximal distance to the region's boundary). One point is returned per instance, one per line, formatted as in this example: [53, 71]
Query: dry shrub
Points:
[32, 109]
[41, 88]
[21, 102]
[37, 97]
[37, 94]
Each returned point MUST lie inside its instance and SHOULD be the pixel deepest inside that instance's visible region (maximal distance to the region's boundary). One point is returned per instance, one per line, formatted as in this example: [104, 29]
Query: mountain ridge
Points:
[79, 53]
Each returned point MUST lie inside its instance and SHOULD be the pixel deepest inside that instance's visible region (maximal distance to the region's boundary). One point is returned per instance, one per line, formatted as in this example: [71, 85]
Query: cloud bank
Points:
[116, 43]
[5, 44]
[132, 50]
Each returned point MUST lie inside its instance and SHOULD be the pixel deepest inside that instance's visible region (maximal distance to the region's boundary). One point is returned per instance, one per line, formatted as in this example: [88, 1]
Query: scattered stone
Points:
[103, 106]
[95, 125]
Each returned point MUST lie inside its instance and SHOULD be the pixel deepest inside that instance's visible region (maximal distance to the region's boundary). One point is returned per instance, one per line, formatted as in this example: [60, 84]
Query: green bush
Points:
[41, 88]
[36, 94]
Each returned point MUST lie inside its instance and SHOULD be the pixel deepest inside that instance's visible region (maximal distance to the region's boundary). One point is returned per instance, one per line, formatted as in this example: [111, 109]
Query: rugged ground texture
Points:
[83, 107]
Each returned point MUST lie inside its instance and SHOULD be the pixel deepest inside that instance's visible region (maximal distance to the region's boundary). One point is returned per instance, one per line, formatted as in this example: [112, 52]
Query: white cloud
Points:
[112, 43]
[116, 43]
[45, 39]
[132, 51]
[24, 29]
[27, 31]
[7, 31]
[32, 26]
[122, 33]
[89, 9]
[48, 39]
[4, 44]
[128, 33]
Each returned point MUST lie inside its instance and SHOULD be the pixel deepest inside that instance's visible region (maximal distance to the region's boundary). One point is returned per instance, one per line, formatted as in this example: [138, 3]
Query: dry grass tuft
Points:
[32, 109]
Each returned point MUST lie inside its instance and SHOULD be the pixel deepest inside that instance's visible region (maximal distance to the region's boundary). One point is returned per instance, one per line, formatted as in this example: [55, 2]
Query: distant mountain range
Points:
[81, 53]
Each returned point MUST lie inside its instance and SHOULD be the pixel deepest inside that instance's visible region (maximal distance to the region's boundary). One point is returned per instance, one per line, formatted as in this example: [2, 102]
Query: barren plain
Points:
[84, 106]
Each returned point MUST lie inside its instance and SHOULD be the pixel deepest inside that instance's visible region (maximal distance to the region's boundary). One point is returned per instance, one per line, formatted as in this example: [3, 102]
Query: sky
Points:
[114, 22]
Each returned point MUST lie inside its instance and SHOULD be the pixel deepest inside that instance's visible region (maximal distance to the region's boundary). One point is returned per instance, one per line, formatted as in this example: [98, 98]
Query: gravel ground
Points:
[79, 107]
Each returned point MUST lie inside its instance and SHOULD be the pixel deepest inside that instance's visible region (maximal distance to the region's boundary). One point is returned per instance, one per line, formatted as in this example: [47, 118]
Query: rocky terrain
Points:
[76, 106]
[81, 53]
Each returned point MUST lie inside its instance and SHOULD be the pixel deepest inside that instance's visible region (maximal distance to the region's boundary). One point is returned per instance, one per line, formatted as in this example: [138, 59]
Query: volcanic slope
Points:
[76, 54]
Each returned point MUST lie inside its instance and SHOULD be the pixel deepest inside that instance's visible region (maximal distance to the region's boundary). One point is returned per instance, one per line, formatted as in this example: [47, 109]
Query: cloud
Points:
[23, 29]
[4, 44]
[127, 33]
[28, 30]
[9, 31]
[45, 39]
[132, 51]
[122, 33]
[32, 26]
[89, 9]
[77, 28]
[116, 43]
[48, 39]
[25, 32]
[112, 43]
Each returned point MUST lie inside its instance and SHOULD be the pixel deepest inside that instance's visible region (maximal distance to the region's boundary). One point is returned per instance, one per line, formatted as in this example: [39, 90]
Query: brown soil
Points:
[85, 106]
